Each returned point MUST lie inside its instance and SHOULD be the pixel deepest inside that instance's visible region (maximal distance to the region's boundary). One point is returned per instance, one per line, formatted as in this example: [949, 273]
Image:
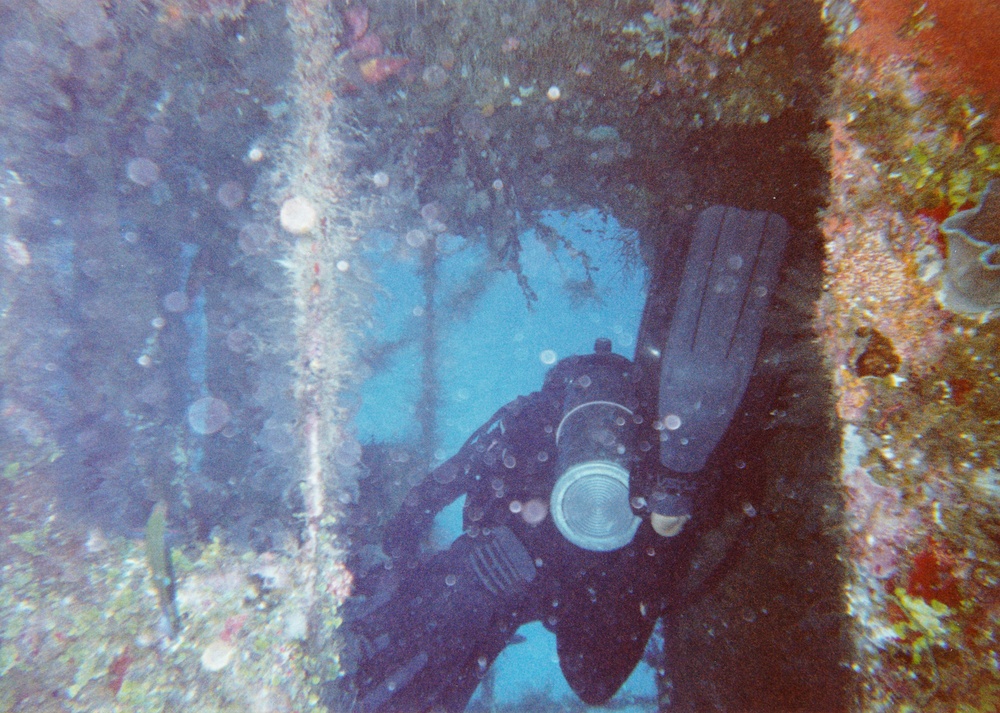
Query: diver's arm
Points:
[453, 478]
[408, 527]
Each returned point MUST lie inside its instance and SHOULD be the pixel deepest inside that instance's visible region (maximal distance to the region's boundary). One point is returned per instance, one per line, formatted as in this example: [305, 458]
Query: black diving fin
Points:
[730, 272]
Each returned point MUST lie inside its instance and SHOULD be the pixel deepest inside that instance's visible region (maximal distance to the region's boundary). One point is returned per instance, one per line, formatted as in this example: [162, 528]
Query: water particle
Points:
[534, 511]
[208, 415]
[143, 171]
[298, 215]
[672, 422]
[554, 93]
[435, 76]
[17, 252]
[547, 356]
[380, 179]
[175, 302]
[217, 655]
[450, 580]
[343, 265]
[515, 506]
[254, 238]
[416, 238]
[230, 194]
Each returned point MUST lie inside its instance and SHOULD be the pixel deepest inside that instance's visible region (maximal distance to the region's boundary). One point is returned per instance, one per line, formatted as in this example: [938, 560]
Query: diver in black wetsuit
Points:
[577, 495]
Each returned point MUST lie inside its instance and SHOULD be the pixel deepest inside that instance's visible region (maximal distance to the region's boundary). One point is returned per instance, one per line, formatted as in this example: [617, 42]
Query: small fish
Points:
[161, 567]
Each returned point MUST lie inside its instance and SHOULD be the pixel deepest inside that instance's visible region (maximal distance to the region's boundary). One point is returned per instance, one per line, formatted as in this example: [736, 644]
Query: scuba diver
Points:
[577, 495]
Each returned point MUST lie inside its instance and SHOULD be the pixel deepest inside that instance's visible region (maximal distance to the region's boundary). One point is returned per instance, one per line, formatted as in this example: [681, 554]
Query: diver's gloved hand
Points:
[670, 505]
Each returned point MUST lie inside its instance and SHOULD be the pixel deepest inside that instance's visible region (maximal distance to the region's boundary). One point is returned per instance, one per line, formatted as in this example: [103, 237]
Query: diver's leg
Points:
[423, 646]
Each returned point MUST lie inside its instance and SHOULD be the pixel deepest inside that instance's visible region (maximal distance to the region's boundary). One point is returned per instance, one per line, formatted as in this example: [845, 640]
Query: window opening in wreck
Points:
[518, 189]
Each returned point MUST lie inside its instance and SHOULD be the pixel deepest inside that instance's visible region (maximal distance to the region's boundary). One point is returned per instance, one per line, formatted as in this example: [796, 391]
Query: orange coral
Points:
[953, 42]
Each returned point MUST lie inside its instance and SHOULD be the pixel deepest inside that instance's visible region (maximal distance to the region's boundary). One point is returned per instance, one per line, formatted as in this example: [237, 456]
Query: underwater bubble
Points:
[86, 26]
[348, 453]
[542, 142]
[671, 422]
[584, 382]
[509, 461]
[497, 185]
[450, 580]
[435, 76]
[208, 415]
[734, 262]
[239, 340]
[230, 194]
[515, 506]
[749, 510]
[534, 511]
[547, 356]
[542, 456]
[760, 291]
[343, 265]
[548, 180]
[298, 215]
[254, 238]
[143, 171]
[416, 238]
[175, 302]
[276, 436]
[433, 212]
[725, 285]
[380, 179]
[446, 473]
[554, 93]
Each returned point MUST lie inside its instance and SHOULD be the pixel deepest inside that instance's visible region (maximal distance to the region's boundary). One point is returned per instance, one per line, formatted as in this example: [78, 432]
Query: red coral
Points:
[932, 576]
[232, 627]
[118, 669]
[953, 42]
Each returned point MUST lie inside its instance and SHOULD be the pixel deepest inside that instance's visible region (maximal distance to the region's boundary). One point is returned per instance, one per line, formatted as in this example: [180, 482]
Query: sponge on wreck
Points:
[971, 282]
